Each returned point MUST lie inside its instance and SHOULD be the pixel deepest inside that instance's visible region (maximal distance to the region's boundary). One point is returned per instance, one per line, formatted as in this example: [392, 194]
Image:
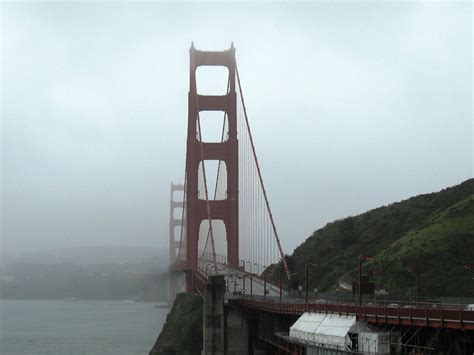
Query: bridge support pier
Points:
[237, 332]
[213, 341]
[226, 330]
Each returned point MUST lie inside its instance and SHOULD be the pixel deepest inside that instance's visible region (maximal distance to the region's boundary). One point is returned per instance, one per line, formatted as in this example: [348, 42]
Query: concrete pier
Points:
[226, 331]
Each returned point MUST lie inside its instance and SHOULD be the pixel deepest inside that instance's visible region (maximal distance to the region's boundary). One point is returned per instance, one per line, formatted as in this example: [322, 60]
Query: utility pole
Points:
[265, 283]
[281, 291]
[306, 285]
[359, 286]
[417, 282]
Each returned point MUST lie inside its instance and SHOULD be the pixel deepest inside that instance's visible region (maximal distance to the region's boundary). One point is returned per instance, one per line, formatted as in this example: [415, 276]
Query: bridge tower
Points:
[175, 222]
[197, 210]
[177, 244]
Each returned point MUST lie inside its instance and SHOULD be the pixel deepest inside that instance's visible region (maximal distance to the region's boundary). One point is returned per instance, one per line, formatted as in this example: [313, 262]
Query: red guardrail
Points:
[438, 317]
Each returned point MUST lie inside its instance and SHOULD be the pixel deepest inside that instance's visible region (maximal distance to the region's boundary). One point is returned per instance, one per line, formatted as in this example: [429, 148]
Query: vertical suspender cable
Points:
[261, 179]
[208, 205]
[218, 168]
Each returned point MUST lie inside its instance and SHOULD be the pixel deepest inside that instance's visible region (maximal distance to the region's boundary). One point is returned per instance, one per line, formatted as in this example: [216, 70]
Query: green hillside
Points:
[182, 333]
[431, 233]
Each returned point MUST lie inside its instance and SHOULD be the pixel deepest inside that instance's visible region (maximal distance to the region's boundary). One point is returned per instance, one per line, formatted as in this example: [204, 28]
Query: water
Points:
[78, 327]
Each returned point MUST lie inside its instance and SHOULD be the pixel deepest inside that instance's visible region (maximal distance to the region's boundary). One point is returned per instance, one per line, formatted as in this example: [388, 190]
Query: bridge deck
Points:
[248, 290]
[434, 317]
[238, 281]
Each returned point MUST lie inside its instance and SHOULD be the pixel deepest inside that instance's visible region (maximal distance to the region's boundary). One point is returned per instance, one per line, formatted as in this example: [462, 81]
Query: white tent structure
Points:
[323, 330]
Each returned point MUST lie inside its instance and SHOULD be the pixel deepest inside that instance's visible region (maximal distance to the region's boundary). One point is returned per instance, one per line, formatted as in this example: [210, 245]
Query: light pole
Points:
[264, 282]
[250, 264]
[289, 283]
[306, 286]
[417, 282]
[257, 267]
[251, 284]
[359, 286]
[281, 291]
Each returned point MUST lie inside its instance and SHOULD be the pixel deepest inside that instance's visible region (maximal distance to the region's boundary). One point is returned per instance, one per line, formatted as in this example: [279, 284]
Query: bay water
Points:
[79, 327]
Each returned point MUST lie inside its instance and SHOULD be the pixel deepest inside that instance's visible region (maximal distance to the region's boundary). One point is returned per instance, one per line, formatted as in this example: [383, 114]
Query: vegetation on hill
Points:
[432, 234]
[183, 330]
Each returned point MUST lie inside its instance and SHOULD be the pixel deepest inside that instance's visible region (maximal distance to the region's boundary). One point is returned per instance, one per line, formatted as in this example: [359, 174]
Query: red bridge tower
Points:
[226, 210]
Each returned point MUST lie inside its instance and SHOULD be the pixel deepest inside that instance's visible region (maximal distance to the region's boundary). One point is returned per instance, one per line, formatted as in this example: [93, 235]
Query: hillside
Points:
[431, 233]
[182, 333]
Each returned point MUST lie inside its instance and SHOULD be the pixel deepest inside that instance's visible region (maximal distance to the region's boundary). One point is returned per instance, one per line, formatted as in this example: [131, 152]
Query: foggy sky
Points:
[352, 106]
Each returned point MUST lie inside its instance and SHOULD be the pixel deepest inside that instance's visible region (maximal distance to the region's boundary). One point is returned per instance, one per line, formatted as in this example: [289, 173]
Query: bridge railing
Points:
[295, 298]
[441, 316]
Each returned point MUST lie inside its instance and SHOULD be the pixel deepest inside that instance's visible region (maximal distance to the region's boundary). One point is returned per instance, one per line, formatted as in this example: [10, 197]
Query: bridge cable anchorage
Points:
[260, 177]
[208, 205]
[224, 121]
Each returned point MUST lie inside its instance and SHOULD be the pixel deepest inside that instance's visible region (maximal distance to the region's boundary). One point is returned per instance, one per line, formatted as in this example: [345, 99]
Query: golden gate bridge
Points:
[223, 236]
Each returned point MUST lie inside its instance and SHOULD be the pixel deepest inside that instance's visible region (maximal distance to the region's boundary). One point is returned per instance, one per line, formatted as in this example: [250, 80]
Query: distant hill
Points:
[133, 273]
[87, 255]
[431, 233]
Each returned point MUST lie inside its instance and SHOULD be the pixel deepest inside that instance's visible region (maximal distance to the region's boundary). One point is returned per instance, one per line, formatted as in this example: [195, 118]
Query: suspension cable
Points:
[260, 178]
[218, 170]
[208, 205]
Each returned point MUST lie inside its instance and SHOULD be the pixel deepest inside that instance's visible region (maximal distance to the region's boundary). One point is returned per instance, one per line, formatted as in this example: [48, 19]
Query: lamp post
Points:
[250, 264]
[281, 290]
[289, 283]
[306, 286]
[257, 267]
[417, 282]
[264, 282]
[251, 284]
[359, 288]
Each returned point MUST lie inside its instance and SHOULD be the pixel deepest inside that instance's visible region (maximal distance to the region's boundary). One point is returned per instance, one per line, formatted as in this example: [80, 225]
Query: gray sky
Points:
[352, 106]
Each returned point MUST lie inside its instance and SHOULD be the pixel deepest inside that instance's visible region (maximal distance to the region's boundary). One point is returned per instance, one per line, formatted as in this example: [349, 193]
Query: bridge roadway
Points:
[428, 314]
[238, 282]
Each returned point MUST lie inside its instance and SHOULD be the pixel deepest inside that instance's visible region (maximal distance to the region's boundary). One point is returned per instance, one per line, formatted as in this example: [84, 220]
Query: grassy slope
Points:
[438, 249]
[432, 232]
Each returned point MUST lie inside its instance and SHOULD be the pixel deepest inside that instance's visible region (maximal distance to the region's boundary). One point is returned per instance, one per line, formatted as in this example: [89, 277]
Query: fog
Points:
[352, 106]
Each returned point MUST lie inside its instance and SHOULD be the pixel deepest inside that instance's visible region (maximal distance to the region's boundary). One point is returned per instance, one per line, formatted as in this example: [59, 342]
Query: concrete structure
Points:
[236, 332]
[213, 341]
[226, 331]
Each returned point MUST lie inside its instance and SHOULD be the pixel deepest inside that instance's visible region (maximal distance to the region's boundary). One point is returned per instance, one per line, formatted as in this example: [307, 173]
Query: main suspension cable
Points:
[261, 179]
